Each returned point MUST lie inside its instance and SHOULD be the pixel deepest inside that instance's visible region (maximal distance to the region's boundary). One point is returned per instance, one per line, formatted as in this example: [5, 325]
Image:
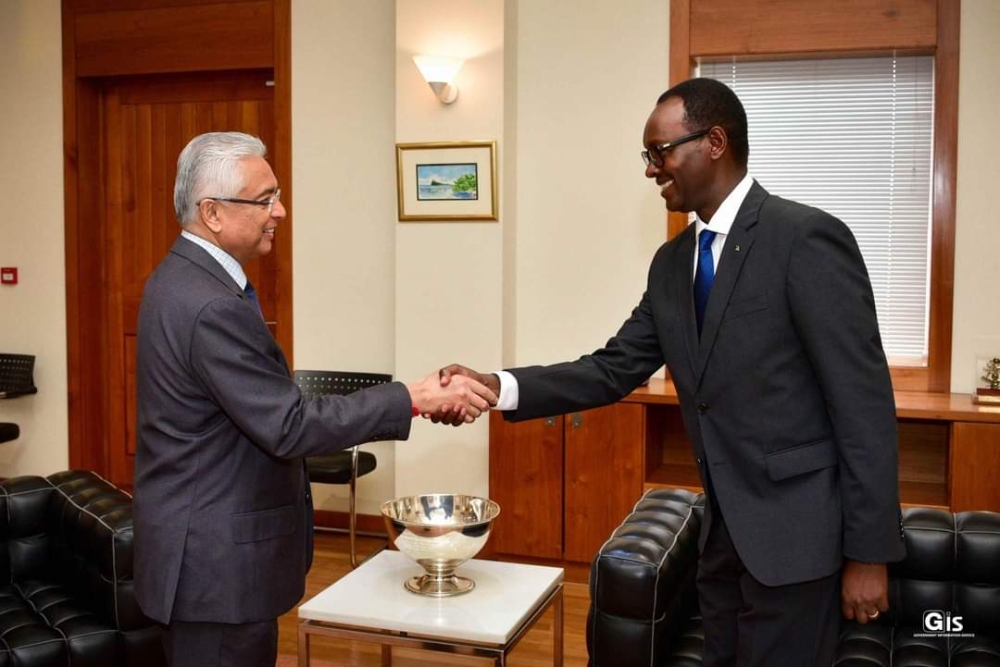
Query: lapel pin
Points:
[737, 248]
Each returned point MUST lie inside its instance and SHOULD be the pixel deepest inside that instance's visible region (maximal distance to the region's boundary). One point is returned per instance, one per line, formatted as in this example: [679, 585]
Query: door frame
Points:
[86, 335]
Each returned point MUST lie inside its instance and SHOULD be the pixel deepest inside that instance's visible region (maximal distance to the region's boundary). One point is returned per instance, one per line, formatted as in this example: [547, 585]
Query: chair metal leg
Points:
[352, 514]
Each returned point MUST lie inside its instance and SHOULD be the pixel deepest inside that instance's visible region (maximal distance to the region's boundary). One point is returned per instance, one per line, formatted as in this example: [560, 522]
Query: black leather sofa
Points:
[66, 596]
[944, 597]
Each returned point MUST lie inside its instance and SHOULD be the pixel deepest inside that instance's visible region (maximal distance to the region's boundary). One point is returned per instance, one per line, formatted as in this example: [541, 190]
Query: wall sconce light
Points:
[439, 72]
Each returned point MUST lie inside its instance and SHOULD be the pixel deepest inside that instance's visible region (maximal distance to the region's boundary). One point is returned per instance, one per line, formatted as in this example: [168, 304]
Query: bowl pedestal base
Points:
[439, 587]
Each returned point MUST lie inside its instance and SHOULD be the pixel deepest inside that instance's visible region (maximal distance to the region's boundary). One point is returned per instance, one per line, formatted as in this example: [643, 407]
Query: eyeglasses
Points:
[654, 156]
[268, 202]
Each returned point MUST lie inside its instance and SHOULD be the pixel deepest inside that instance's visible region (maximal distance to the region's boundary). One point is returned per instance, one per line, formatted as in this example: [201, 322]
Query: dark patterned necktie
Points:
[704, 276]
[252, 295]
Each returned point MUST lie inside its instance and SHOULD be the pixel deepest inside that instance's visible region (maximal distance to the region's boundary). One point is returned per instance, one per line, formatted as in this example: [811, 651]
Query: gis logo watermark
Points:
[942, 621]
[938, 623]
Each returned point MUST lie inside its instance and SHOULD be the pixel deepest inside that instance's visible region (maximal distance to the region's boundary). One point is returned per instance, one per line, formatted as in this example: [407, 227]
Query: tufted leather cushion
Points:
[66, 576]
[952, 566]
[644, 608]
[642, 584]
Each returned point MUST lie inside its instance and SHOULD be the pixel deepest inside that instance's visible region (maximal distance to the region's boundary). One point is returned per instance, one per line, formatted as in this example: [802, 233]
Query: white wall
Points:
[448, 274]
[588, 222]
[976, 331]
[343, 120]
[33, 313]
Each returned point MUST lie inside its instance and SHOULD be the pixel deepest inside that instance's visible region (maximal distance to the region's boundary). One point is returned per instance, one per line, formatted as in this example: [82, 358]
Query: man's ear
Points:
[208, 211]
[718, 141]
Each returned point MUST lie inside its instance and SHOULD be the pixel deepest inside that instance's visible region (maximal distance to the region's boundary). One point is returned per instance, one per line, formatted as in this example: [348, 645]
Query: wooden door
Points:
[604, 474]
[526, 479]
[147, 120]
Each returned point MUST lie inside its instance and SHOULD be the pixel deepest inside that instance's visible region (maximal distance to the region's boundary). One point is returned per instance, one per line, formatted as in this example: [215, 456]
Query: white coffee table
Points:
[371, 604]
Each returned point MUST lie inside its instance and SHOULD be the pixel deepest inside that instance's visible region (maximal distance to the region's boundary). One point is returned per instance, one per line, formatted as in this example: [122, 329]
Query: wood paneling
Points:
[142, 44]
[680, 41]
[944, 195]
[526, 478]
[193, 38]
[975, 460]
[680, 70]
[603, 475]
[565, 483]
[148, 120]
[281, 160]
[923, 462]
[744, 27]
[943, 407]
[669, 459]
[88, 6]
[949, 452]
[86, 344]
[943, 460]
[923, 453]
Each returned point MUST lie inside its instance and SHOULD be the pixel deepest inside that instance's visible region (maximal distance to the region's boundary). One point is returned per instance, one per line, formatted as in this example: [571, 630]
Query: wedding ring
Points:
[873, 615]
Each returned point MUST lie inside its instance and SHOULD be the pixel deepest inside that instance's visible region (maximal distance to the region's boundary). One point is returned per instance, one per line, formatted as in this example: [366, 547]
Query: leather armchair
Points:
[66, 565]
[944, 596]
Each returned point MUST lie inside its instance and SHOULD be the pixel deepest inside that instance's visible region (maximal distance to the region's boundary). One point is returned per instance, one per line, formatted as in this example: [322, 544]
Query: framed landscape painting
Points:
[453, 180]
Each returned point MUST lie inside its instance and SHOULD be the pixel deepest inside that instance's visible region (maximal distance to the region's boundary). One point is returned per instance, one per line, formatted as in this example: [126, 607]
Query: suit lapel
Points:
[738, 243]
[198, 255]
[192, 251]
[681, 279]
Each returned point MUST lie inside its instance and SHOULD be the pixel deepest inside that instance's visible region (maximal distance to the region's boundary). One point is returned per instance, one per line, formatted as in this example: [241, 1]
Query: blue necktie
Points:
[704, 276]
[252, 295]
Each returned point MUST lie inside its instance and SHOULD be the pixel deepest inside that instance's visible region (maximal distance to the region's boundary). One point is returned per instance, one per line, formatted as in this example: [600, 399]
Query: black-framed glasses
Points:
[268, 201]
[654, 155]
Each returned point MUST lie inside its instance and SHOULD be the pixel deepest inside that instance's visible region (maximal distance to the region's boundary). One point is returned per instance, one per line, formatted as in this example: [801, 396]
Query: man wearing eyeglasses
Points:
[222, 509]
[763, 313]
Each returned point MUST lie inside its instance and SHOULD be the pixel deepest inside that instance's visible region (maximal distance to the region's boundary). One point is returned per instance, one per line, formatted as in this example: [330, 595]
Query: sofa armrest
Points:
[92, 530]
[24, 510]
[642, 581]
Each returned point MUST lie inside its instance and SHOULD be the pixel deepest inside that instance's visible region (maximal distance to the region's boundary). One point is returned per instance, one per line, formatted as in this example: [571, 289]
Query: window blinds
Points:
[853, 137]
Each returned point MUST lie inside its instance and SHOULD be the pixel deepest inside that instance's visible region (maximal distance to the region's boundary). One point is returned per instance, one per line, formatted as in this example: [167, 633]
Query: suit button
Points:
[702, 408]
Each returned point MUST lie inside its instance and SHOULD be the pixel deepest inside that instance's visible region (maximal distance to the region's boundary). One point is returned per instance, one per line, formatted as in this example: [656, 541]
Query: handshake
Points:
[455, 395]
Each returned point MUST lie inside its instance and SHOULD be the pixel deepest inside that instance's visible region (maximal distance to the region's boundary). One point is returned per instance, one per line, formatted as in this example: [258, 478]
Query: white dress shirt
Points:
[227, 261]
[720, 223]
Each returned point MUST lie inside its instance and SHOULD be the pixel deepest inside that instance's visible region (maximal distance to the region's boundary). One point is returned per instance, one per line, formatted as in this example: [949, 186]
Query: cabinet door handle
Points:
[550, 421]
[576, 419]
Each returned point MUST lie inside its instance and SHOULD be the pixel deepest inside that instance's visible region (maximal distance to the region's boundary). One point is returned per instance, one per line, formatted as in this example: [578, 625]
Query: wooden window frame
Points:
[752, 28]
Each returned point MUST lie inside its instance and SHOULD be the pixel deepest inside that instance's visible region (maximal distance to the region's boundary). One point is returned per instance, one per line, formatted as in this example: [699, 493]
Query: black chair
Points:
[16, 375]
[9, 432]
[346, 466]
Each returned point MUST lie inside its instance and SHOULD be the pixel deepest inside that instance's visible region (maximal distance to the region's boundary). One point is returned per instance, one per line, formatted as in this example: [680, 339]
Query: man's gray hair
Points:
[208, 167]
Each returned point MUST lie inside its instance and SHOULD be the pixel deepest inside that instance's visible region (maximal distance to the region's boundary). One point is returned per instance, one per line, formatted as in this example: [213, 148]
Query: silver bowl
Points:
[440, 532]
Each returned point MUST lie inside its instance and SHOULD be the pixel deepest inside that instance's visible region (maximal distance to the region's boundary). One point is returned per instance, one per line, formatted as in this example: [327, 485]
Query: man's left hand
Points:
[864, 591]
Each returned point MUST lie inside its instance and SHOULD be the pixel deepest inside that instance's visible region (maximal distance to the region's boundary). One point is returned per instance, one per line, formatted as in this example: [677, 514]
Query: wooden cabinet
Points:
[975, 462]
[565, 483]
[526, 478]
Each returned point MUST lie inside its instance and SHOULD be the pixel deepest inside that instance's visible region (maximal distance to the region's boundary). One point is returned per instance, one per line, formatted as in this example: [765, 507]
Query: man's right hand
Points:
[464, 399]
[452, 415]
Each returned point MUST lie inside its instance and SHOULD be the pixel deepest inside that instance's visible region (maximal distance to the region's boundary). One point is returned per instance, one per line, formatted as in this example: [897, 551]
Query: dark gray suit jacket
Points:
[223, 514]
[786, 397]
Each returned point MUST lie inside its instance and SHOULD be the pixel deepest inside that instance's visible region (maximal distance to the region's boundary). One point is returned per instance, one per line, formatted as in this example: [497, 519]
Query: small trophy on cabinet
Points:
[990, 394]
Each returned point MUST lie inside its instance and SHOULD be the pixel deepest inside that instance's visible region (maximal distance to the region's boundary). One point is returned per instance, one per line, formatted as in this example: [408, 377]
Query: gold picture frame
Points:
[444, 181]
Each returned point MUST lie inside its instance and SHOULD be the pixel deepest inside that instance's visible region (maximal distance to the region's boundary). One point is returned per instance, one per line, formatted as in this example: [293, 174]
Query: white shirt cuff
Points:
[508, 391]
